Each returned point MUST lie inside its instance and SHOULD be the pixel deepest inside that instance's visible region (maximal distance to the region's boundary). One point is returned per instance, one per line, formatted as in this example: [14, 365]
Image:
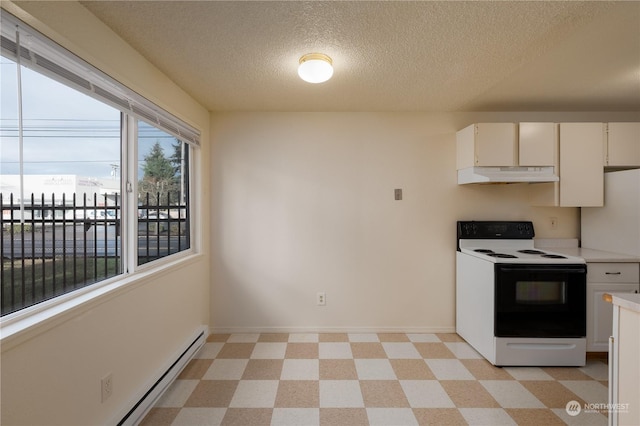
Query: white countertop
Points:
[630, 301]
[591, 255]
[569, 246]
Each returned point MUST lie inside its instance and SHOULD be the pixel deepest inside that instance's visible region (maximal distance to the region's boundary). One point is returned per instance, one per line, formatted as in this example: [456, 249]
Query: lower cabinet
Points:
[600, 314]
[606, 278]
[624, 368]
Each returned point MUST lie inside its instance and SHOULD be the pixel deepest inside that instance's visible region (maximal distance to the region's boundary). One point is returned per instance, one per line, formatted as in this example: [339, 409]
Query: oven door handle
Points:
[556, 270]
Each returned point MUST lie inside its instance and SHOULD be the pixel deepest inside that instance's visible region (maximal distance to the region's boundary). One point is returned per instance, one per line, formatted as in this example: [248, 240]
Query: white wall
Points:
[51, 371]
[304, 202]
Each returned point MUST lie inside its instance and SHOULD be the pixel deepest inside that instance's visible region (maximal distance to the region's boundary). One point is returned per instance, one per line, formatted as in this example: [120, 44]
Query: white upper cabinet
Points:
[538, 144]
[581, 164]
[486, 145]
[623, 145]
[580, 167]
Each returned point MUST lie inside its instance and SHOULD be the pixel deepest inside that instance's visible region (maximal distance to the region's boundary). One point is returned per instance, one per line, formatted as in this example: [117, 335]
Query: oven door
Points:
[540, 300]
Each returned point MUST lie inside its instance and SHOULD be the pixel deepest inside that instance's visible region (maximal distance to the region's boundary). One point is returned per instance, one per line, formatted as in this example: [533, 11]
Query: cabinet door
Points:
[623, 145]
[581, 164]
[466, 147]
[538, 144]
[495, 144]
[600, 314]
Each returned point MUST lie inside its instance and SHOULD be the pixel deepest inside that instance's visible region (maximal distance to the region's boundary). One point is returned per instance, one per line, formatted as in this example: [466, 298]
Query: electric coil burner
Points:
[502, 255]
[529, 251]
[515, 304]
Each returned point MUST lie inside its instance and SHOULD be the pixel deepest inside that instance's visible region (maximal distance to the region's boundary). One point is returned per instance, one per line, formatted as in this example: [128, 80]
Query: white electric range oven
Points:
[515, 304]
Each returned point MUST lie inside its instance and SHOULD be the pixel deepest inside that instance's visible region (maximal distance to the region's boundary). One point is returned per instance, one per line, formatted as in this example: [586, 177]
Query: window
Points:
[55, 189]
[95, 179]
[163, 194]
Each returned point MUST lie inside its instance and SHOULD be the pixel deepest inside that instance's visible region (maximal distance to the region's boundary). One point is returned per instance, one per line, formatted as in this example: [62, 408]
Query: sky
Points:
[64, 131]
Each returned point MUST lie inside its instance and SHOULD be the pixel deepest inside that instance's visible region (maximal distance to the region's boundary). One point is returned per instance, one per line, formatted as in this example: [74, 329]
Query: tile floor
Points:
[370, 379]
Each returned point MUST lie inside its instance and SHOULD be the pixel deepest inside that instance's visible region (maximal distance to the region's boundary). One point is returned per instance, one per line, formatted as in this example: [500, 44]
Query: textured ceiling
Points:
[391, 55]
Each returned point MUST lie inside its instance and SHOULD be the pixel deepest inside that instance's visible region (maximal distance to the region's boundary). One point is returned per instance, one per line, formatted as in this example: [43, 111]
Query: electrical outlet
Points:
[106, 384]
[321, 298]
[554, 222]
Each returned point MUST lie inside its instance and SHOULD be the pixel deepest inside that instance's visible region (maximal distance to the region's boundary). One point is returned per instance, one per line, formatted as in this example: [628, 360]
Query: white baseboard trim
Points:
[159, 384]
[407, 330]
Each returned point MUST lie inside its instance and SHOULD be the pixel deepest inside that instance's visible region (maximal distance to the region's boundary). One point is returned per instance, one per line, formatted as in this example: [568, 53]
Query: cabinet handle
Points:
[613, 273]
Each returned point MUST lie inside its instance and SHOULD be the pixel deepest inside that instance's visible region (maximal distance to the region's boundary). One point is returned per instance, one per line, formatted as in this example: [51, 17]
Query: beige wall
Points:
[51, 371]
[304, 203]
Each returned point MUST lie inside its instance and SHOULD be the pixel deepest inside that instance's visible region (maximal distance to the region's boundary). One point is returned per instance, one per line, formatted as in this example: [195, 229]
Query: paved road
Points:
[97, 241]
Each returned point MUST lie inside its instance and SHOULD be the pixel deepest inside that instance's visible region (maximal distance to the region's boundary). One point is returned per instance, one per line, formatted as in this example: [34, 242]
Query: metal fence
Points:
[50, 248]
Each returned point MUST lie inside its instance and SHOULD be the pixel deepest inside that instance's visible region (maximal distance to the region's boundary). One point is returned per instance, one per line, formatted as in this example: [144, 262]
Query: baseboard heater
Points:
[142, 407]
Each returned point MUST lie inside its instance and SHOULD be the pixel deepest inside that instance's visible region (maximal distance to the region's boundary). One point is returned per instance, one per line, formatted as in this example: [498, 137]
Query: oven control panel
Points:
[520, 230]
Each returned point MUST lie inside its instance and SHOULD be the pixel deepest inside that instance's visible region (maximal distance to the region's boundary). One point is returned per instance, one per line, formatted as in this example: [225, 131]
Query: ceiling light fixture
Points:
[315, 68]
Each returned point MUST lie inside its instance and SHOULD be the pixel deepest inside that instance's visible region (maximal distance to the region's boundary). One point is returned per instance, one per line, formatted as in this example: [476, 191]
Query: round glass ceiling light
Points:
[315, 68]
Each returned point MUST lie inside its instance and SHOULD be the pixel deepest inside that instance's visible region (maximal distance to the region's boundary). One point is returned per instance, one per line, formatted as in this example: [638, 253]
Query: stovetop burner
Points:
[502, 255]
[531, 251]
[483, 251]
[553, 256]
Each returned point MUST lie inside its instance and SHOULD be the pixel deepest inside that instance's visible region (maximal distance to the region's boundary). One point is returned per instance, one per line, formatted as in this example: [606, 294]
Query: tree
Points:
[176, 157]
[179, 161]
[159, 178]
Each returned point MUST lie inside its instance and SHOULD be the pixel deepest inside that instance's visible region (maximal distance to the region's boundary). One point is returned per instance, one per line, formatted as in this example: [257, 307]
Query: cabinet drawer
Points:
[613, 272]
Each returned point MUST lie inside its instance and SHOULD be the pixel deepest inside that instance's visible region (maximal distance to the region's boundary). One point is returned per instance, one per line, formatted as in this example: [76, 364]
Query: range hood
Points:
[506, 175]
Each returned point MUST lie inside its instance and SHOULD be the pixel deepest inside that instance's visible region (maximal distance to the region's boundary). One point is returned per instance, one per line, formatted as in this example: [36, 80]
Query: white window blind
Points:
[47, 57]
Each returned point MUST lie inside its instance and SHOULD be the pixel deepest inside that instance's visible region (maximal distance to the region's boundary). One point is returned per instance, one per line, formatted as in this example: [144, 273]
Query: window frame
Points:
[49, 58]
[139, 108]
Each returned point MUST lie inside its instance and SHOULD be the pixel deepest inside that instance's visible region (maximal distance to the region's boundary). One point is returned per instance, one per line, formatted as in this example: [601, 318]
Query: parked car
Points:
[154, 215]
[97, 214]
